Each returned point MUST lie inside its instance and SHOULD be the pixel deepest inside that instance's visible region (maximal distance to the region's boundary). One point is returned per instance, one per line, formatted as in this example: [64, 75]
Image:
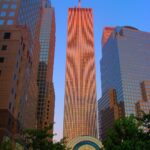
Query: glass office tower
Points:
[46, 95]
[80, 84]
[124, 65]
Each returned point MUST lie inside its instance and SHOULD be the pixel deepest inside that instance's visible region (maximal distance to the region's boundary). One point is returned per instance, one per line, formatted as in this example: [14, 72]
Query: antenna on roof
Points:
[79, 3]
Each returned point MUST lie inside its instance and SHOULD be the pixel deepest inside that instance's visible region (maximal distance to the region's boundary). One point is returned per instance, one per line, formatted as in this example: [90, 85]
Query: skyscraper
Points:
[80, 85]
[15, 71]
[19, 52]
[46, 95]
[124, 65]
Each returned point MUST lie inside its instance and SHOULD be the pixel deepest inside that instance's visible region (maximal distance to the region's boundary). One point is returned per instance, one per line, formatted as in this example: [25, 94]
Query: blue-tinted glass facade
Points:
[46, 60]
[125, 64]
[29, 14]
[45, 33]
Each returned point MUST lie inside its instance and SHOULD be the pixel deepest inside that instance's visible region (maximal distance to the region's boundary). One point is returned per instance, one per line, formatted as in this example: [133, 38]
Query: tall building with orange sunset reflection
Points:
[106, 34]
[80, 84]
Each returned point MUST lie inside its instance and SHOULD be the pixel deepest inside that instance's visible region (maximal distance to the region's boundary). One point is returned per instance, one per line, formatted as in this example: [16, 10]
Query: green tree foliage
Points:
[129, 133]
[145, 122]
[6, 144]
[41, 139]
[36, 139]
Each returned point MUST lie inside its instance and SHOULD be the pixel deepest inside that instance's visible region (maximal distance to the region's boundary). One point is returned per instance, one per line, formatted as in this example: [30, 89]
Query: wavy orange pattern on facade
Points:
[80, 86]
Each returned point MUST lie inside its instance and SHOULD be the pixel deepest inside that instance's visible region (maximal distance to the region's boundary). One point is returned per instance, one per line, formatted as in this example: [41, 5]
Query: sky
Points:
[134, 13]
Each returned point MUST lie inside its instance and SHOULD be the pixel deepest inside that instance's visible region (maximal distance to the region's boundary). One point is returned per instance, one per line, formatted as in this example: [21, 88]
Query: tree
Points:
[35, 139]
[60, 145]
[41, 139]
[128, 134]
[6, 144]
[145, 123]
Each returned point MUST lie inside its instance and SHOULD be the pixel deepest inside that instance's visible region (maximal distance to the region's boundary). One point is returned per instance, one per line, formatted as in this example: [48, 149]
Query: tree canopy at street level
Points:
[35, 139]
[129, 133]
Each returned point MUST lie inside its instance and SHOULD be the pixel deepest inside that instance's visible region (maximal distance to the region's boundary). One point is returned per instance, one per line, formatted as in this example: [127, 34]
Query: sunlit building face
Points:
[80, 84]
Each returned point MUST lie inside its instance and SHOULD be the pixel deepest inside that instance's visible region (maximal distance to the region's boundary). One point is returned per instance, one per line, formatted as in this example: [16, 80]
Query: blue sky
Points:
[106, 13]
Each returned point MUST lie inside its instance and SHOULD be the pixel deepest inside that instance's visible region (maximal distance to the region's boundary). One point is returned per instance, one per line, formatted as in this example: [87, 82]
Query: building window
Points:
[19, 70]
[21, 40]
[4, 47]
[7, 35]
[0, 72]
[3, 14]
[1, 59]
[15, 96]
[23, 46]
[17, 64]
[12, 13]
[12, 91]
[17, 82]
[10, 22]
[9, 105]
[13, 6]
[14, 76]
[1, 21]
[5, 6]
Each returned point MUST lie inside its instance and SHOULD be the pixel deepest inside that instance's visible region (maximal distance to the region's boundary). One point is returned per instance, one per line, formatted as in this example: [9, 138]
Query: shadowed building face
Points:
[15, 69]
[19, 20]
[144, 104]
[46, 94]
[80, 86]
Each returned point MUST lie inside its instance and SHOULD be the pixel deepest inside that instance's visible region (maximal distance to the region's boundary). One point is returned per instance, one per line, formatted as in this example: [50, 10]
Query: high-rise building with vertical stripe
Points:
[46, 95]
[80, 84]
